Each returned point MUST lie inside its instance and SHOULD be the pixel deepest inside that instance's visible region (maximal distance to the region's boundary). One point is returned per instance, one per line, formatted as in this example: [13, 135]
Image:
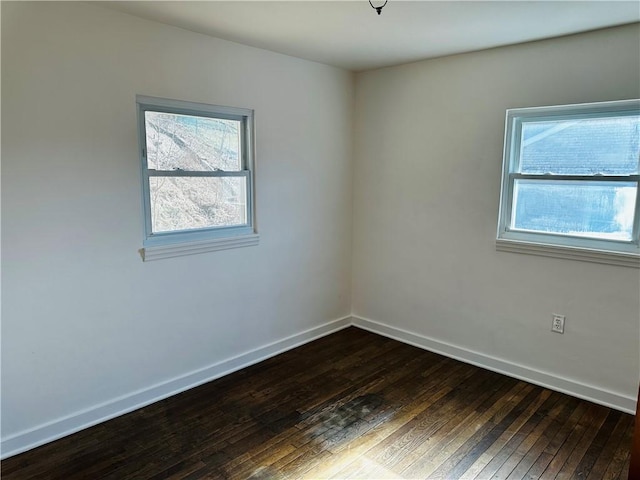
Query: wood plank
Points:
[476, 439]
[468, 413]
[508, 433]
[606, 454]
[551, 450]
[618, 463]
[393, 415]
[542, 436]
[576, 456]
[595, 446]
[423, 425]
[366, 469]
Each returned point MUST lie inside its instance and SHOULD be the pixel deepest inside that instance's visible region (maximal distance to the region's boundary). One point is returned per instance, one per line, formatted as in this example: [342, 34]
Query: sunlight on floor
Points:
[360, 467]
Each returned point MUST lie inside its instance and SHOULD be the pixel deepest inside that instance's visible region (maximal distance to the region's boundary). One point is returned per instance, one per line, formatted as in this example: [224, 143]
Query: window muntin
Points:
[570, 176]
[197, 165]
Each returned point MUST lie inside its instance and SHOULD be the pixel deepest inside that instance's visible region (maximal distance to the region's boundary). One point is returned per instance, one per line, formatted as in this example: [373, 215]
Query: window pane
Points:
[608, 146]
[192, 143]
[183, 203]
[591, 209]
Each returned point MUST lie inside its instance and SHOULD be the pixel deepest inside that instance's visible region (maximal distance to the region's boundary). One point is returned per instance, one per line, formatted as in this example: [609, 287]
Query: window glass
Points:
[591, 146]
[192, 143]
[185, 203]
[588, 209]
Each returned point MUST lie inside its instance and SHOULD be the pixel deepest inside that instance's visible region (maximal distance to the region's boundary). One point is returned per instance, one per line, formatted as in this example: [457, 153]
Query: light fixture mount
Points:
[378, 9]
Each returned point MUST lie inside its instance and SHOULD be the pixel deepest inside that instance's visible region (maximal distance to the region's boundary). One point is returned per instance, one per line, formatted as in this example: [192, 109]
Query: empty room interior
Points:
[316, 240]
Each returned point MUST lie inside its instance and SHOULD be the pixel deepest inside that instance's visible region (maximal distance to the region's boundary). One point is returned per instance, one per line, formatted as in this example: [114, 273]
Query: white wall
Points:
[428, 153]
[84, 320]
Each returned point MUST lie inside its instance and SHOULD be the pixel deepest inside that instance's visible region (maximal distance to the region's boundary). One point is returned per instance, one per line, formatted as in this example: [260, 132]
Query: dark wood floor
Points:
[350, 405]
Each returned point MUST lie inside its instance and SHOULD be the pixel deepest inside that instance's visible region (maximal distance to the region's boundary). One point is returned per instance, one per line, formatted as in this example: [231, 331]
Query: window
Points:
[197, 164]
[570, 182]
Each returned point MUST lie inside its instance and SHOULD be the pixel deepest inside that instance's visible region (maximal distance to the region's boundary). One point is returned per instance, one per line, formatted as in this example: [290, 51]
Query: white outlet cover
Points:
[557, 323]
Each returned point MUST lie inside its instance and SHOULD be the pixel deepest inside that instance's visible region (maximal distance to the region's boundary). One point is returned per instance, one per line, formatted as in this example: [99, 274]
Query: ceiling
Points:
[349, 34]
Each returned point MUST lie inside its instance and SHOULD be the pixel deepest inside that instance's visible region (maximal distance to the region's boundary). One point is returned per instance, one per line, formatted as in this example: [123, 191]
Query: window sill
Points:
[180, 249]
[569, 253]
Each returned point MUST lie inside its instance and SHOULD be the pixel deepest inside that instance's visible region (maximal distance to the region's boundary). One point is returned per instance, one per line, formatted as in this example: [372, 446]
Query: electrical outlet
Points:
[557, 323]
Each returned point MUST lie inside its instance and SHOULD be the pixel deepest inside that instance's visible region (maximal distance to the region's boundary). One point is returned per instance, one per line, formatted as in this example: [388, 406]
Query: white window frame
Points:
[186, 242]
[615, 252]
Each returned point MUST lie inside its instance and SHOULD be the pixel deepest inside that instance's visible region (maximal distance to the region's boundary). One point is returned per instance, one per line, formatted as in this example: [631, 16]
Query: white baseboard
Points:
[62, 427]
[531, 375]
